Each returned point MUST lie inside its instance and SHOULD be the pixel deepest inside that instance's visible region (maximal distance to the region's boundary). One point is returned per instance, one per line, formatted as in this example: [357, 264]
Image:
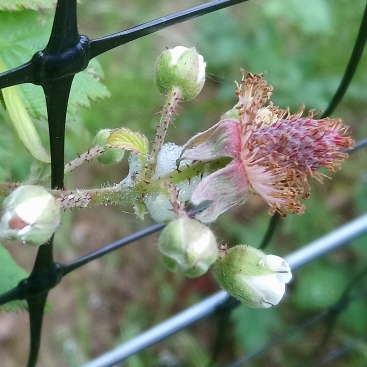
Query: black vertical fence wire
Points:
[66, 54]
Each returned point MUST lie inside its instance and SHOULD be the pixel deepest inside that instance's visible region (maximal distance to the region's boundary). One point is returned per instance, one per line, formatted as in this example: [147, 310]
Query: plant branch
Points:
[168, 110]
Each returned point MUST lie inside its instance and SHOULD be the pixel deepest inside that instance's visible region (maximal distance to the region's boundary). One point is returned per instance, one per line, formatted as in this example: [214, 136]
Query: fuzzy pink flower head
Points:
[272, 151]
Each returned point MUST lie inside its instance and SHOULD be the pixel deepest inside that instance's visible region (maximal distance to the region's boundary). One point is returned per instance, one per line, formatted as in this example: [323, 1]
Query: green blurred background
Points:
[304, 45]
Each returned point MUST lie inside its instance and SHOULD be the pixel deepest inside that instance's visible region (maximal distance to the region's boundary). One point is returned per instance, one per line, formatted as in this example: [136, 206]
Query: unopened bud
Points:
[256, 279]
[111, 155]
[30, 214]
[188, 245]
[182, 68]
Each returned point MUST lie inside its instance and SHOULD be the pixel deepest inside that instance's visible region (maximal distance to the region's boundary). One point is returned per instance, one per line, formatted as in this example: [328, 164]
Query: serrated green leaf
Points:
[11, 275]
[140, 209]
[127, 139]
[26, 4]
[24, 33]
[86, 87]
[23, 123]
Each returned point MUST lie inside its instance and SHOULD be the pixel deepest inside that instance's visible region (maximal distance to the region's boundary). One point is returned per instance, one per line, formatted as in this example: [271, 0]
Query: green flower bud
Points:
[111, 155]
[256, 279]
[31, 214]
[188, 245]
[181, 68]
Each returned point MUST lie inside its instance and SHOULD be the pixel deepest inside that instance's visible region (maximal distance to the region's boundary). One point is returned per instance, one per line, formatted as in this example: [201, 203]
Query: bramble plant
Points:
[254, 148]
[249, 147]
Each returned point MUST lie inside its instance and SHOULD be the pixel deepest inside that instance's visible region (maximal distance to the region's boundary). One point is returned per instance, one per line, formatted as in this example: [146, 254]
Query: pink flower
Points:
[272, 153]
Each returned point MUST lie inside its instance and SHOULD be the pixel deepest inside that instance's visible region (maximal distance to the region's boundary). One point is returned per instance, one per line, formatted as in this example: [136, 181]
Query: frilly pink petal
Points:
[221, 140]
[225, 188]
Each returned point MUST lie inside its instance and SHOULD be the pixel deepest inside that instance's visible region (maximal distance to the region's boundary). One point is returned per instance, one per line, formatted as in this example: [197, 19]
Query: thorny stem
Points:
[168, 110]
[177, 205]
[91, 153]
[121, 193]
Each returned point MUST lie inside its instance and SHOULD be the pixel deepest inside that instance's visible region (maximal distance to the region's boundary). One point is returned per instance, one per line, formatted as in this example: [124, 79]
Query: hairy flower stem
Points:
[119, 193]
[91, 153]
[83, 198]
[168, 110]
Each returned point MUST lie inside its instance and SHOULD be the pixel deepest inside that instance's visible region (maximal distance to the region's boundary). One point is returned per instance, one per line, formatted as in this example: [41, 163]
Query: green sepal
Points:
[126, 139]
[140, 209]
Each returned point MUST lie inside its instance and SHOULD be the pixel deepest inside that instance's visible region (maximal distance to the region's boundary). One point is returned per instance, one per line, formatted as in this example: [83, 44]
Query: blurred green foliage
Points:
[254, 327]
[11, 274]
[319, 286]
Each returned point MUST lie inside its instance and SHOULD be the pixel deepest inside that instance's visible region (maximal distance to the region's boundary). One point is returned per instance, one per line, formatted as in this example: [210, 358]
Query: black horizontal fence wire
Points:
[76, 264]
[67, 54]
[55, 274]
[107, 43]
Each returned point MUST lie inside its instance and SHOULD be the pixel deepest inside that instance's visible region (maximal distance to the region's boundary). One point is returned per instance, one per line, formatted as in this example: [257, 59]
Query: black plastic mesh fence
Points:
[68, 53]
